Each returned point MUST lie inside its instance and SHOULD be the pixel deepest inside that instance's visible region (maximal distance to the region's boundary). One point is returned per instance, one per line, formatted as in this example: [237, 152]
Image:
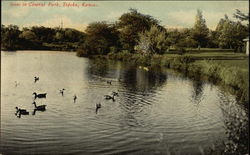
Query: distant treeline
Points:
[39, 37]
[133, 32]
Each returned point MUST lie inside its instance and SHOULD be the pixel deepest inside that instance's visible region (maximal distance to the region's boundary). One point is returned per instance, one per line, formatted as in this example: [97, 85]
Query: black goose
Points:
[40, 107]
[108, 97]
[40, 95]
[36, 79]
[21, 111]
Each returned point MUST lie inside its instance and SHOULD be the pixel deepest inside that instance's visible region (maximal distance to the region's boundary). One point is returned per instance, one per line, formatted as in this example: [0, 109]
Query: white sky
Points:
[172, 14]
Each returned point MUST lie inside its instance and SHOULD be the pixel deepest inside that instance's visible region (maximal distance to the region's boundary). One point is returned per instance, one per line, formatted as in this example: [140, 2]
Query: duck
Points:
[40, 95]
[75, 97]
[62, 91]
[36, 79]
[40, 107]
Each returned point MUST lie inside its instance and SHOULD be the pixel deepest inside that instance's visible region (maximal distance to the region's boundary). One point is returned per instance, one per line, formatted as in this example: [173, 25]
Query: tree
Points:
[152, 41]
[100, 36]
[28, 35]
[130, 25]
[241, 16]
[10, 36]
[200, 30]
[230, 34]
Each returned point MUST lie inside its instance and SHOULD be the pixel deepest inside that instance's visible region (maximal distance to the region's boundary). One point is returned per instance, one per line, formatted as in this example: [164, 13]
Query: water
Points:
[157, 112]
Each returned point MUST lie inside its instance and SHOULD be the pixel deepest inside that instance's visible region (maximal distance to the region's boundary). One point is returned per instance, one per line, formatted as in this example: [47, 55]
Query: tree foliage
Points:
[100, 36]
[130, 25]
[241, 16]
[39, 37]
[230, 34]
[153, 41]
[200, 30]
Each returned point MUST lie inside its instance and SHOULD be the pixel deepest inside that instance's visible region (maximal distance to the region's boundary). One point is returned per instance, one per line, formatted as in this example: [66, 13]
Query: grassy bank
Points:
[227, 69]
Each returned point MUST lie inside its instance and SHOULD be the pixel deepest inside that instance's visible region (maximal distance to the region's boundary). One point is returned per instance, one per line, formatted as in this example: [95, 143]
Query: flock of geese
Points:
[20, 111]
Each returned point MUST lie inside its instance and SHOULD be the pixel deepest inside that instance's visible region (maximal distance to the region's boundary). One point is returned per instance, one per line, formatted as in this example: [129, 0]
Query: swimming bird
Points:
[40, 107]
[21, 111]
[98, 105]
[62, 91]
[75, 99]
[36, 79]
[108, 97]
[40, 95]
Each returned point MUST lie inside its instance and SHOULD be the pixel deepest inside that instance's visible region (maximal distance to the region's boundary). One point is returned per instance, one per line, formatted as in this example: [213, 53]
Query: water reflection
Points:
[34, 111]
[137, 79]
[197, 93]
[152, 115]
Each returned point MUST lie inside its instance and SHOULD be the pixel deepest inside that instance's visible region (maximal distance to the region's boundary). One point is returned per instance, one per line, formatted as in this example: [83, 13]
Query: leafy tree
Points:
[152, 41]
[200, 30]
[230, 34]
[28, 35]
[10, 36]
[100, 36]
[241, 16]
[131, 24]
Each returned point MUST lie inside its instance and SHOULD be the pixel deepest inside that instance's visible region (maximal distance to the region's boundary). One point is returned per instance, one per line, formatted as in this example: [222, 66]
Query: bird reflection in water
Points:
[34, 111]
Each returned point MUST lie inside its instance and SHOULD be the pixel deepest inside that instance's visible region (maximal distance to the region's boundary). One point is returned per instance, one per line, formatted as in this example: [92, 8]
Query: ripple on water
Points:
[159, 114]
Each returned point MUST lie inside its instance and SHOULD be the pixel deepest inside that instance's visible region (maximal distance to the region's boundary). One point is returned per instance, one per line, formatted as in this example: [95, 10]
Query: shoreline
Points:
[232, 78]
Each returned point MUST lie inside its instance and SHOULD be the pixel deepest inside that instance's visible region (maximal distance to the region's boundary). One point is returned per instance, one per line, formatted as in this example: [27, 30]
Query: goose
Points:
[36, 79]
[62, 91]
[40, 107]
[98, 105]
[108, 97]
[40, 95]
[21, 111]
[75, 98]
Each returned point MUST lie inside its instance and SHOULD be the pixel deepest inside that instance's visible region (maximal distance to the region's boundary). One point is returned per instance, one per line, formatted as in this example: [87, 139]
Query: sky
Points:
[171, 14]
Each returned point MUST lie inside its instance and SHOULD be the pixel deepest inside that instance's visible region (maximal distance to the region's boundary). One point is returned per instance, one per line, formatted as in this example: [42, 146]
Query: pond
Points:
[156, 112]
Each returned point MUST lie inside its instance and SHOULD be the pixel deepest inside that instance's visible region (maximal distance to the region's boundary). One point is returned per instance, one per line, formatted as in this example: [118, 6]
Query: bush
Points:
[81, 53]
